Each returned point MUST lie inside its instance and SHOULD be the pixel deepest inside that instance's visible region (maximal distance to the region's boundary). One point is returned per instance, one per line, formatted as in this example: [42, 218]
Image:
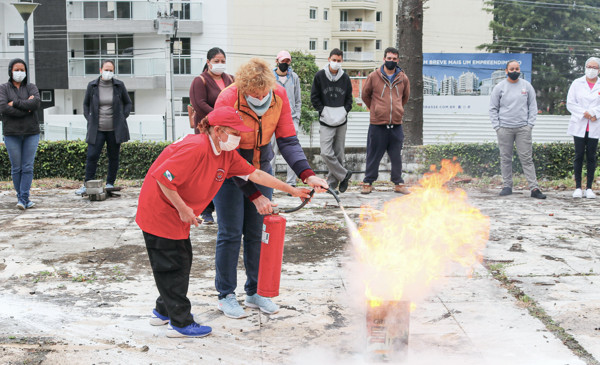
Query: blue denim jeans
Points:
[237, 217]
[21, 152]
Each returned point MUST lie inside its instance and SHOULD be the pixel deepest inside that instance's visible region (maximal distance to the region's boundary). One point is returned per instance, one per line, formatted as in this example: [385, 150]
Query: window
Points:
[344, 46]
[16, 39]
[107, 10]
[312, 13]
[118, 48]
[325, 44]
[182, 62]
[325, 14]
[181, 10]
[185, 101]
[312, 44]
[46, 96]
[379, 16]
[343, 16]
[378, 44]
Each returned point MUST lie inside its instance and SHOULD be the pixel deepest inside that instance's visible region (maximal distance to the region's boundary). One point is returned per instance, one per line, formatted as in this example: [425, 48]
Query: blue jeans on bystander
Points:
[237, 216]
[21, 152]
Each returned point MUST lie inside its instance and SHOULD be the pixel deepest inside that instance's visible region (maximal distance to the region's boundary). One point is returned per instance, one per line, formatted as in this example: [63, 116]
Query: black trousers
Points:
[382, 139]
[93, 154]
[171, 262]
[585, 146]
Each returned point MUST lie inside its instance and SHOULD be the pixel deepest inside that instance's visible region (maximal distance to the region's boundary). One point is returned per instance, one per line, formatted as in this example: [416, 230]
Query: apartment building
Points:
[69, 38]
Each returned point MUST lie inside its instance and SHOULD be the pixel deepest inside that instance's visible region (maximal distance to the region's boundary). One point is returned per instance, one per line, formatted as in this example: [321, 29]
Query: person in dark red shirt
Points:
[180, 183]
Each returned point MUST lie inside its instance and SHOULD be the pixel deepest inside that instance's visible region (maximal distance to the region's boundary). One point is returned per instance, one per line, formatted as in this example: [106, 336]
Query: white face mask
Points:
[591, 73]
[218, 68]
[232, 142]
[107, 75]
[335, 65]
[19, 76]
[258, 102]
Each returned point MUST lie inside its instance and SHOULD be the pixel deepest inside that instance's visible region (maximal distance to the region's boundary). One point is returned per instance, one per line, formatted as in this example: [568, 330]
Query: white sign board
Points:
[166, 25]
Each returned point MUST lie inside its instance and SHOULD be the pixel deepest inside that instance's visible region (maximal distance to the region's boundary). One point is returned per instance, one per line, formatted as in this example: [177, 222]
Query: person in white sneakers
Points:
[583, 102]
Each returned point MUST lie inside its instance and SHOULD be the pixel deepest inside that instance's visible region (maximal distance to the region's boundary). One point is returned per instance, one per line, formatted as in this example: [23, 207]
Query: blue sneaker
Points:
[264, 304]
[158, 319]
[207, 218]
[109, 186]
[29, 204]
[21, 205]
[231, 308]
[192, 330]
[82, 190]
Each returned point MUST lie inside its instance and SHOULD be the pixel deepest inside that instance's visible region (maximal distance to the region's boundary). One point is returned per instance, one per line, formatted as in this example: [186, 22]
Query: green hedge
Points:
[67, 159]
[552, 160]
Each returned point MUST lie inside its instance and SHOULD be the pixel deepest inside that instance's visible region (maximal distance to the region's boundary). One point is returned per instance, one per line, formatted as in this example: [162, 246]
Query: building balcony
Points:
[355, 4]
[359, 56]
[136, 72]
[133, 16]
[355, 30]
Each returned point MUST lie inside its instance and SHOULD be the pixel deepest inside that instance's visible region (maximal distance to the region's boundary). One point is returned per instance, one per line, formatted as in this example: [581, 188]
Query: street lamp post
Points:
[26, 9]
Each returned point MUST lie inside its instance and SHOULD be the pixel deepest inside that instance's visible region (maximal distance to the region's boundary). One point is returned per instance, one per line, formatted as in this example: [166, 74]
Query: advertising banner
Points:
[460, 83]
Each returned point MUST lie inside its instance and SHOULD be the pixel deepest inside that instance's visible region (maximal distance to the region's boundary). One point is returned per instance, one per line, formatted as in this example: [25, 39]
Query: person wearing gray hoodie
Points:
[331, 96]
[290, 81]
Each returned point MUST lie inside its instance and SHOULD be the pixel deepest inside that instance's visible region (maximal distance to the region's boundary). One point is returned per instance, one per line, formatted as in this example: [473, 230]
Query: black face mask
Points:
[514, 75]
[283, 67]
[391, 65]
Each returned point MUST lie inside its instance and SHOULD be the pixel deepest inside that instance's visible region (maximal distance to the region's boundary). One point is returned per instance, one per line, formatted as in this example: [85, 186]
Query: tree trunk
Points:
[410, 45]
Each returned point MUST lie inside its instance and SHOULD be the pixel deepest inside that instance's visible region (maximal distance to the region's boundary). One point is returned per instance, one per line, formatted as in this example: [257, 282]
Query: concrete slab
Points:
[76, 288]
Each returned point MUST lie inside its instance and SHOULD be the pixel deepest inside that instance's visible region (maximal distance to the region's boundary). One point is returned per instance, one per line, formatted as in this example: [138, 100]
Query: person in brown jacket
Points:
[385, 93]
[203, 94]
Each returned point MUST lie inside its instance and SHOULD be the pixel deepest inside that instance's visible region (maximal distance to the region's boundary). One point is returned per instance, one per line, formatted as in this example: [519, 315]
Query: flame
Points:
[411, 244]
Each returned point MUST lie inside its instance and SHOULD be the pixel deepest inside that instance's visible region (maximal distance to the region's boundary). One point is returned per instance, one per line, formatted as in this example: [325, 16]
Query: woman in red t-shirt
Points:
[180, 183]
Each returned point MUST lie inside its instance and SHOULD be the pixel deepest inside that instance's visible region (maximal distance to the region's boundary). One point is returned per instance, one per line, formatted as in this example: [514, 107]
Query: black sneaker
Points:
[537, 193]
[344, 183]
[505, 191]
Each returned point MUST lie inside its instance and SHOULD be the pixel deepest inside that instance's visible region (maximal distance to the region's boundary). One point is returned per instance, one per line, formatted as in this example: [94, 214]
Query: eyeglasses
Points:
[595, 68]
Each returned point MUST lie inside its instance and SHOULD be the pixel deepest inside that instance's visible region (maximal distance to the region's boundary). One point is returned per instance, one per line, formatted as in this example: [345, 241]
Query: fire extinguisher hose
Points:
[329, 190]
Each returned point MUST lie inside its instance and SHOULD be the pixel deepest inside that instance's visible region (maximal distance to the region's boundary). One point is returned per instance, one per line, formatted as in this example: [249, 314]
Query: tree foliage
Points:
[560, 35]
[306, 68]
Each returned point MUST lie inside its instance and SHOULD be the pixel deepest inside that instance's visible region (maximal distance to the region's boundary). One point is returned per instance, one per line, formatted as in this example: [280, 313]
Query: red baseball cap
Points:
[227, 116]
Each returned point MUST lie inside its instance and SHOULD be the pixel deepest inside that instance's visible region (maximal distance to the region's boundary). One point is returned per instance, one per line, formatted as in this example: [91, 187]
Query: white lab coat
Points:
[579, 100]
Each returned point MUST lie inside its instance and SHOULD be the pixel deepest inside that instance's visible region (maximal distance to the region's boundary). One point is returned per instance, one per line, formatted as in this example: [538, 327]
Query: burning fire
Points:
[413, 242]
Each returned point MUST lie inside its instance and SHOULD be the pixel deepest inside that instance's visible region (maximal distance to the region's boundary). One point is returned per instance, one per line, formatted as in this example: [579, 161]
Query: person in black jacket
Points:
[331, 96]
[106, 107]
[19, 102]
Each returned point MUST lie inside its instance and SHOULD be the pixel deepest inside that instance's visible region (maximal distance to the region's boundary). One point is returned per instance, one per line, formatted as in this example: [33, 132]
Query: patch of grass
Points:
[81, 278]
[42, 276]
[117, 275]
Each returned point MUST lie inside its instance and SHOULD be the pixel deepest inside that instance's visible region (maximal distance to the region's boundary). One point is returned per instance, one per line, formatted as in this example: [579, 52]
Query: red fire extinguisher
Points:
[271, 251]
[271, 255]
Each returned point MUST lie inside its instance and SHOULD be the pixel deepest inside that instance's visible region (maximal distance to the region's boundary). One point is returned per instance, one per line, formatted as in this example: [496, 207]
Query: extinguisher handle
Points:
[299, 206]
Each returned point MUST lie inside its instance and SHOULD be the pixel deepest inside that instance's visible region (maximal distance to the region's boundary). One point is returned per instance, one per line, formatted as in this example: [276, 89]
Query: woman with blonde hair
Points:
[240, 204]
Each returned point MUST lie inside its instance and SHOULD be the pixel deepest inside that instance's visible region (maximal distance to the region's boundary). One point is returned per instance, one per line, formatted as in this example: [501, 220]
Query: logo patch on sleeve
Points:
[169, 175]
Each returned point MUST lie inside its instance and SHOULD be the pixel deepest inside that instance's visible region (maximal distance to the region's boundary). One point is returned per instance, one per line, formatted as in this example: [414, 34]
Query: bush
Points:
[66, 159]
[551, 160]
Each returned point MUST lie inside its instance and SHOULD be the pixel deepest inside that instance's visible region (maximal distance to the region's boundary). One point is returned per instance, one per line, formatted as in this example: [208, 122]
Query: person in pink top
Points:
[203, 94]
[583, 102]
